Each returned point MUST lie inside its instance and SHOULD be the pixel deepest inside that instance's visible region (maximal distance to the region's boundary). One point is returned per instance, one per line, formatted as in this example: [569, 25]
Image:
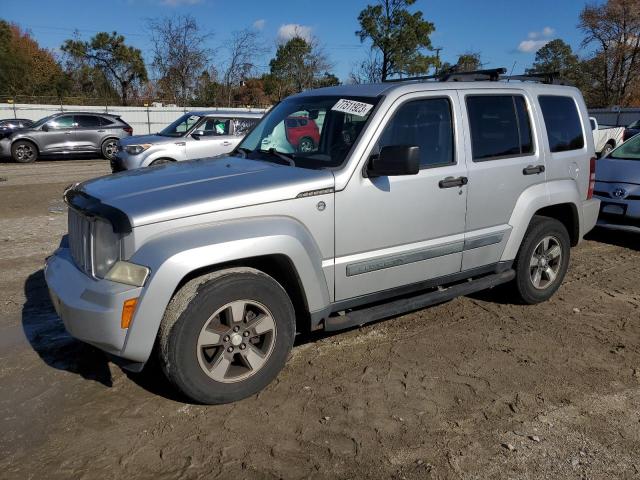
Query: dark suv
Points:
[66, 133]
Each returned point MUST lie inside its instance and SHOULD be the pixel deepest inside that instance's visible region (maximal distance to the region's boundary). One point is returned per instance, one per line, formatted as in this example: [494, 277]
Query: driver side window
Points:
[66, 121]
[427, 124]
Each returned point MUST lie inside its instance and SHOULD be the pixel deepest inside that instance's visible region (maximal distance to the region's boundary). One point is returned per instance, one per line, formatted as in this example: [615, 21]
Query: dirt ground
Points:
[473, 388]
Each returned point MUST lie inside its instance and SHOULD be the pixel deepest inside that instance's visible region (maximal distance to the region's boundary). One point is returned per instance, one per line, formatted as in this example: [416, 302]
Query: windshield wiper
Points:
[280, 155]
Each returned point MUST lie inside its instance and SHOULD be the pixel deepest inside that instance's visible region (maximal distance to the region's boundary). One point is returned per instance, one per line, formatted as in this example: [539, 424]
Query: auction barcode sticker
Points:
[353, 107]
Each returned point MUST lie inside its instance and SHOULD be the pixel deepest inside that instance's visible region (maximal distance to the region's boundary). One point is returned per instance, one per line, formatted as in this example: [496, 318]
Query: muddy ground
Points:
[474, 388]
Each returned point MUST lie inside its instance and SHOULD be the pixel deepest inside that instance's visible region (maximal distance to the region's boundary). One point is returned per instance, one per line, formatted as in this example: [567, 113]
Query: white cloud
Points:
[536, 40]
[528, 46]
[259, 24]
[177, 3]
[288, 31]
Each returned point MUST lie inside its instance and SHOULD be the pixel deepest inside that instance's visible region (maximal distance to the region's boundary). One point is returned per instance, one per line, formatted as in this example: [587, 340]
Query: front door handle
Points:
[451, 182]
[181, 144]
[68, 133]
[226, 144]
[533, 170]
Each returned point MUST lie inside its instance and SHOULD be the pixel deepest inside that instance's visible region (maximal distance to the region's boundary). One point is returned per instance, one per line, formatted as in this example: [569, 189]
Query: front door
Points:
[60, 136]
[210, 138]
[398, 230]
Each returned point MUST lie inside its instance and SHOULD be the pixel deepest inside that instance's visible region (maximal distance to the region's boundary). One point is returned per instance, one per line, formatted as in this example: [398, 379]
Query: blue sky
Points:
[503, 31]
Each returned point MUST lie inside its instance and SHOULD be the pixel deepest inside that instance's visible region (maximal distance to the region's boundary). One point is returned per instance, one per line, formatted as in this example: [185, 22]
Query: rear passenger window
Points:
[87, 121]
[426, 124]
[500, 126]
[105, 121]
[563, 123]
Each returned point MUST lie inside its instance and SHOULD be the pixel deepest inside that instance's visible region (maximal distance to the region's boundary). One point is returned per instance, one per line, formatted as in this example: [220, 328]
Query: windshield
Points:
[629, 150]
[181, 126]
[312, 132]
[42, 121]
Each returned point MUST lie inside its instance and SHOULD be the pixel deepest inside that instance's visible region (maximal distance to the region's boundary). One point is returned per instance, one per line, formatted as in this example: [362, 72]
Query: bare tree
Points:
[615, 28]
[367, 71]
[245, 47]
[180, 54]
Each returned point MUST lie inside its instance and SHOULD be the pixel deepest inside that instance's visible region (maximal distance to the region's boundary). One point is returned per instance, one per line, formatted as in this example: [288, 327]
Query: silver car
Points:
[64, 134]
[193, 135]
[415, 193]
[618, 187]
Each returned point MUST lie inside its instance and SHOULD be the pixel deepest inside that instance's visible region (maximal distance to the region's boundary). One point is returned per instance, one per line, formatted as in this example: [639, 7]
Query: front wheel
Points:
[226, 336]
[23, 151]
[543, 260]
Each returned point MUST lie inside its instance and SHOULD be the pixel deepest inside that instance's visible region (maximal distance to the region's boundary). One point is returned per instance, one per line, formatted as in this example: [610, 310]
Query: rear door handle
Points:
[451, 182]
[181, 144]
[533, 170]
[68, 133]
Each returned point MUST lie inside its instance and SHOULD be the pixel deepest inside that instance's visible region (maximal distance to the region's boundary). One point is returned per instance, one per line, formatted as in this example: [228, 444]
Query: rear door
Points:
[60, 136]
[504, 162]
[88, 137]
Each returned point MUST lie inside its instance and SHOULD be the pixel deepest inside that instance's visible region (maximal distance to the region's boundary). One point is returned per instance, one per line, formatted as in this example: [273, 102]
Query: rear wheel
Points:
[306, 145]
[24, 151]
[542, 261]
[110, 148]
[226, 336]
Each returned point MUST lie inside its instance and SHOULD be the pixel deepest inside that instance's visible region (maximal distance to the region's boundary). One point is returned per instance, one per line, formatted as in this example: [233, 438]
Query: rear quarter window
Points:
[562, 120]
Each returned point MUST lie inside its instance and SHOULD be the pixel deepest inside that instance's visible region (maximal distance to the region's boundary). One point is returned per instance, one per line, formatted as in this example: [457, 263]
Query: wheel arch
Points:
[559, 199]
[279, 246]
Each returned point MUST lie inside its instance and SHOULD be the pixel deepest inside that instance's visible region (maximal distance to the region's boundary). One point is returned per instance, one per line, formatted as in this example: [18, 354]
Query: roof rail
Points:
[550, 78]
[491, 74]
[453, 75]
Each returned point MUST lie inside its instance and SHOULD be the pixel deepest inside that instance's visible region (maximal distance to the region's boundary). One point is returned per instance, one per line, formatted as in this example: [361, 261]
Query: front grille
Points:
[80, 240]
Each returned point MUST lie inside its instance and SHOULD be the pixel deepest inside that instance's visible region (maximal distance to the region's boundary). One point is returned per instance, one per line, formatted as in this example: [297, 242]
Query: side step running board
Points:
[416, 302]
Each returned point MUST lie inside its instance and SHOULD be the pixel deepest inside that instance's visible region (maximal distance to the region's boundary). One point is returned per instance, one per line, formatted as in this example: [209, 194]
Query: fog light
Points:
[128, 273]
[128, 308]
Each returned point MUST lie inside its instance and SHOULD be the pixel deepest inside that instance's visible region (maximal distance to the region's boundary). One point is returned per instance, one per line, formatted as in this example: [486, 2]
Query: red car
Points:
[302, 133]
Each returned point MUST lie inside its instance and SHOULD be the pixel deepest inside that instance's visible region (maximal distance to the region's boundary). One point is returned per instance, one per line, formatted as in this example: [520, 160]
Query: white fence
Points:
[142, 119]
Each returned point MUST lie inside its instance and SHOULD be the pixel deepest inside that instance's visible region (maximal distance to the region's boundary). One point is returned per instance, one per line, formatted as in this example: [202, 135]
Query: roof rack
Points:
[550, 78]
[492, 74]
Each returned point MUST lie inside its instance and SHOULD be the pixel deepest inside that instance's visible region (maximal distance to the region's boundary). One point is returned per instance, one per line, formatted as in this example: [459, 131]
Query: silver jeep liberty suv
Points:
[414, 192]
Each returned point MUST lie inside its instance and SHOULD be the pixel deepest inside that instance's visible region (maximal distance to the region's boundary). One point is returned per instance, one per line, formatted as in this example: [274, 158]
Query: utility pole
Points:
[437, 50]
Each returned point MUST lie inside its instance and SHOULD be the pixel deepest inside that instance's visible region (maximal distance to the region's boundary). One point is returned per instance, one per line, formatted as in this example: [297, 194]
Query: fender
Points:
[172, 256]
[533, 199]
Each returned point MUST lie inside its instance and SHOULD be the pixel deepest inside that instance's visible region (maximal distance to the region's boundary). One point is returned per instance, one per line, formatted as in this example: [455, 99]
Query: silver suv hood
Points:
[176, 190]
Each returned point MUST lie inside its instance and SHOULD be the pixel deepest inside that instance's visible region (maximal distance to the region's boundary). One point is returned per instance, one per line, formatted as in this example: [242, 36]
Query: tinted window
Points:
[66, 121]
[426, 124]
[87, 121]
[105, 121]
[563, 123]
[500, 126]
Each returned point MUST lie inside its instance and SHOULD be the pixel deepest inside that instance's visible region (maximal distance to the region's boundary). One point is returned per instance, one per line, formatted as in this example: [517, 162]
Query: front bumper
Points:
[90, 309]
[620, 206]
[123, 161]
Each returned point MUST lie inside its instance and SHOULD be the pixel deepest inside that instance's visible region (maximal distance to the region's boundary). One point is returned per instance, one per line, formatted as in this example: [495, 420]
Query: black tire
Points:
[192, 309]
[160, 161]
[109, 148]
[306, 145]
[24, 151]
[541, 228]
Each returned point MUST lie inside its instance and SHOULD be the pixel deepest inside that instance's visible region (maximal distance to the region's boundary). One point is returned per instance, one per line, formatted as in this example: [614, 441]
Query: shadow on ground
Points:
[46, 333]
[614, 237]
